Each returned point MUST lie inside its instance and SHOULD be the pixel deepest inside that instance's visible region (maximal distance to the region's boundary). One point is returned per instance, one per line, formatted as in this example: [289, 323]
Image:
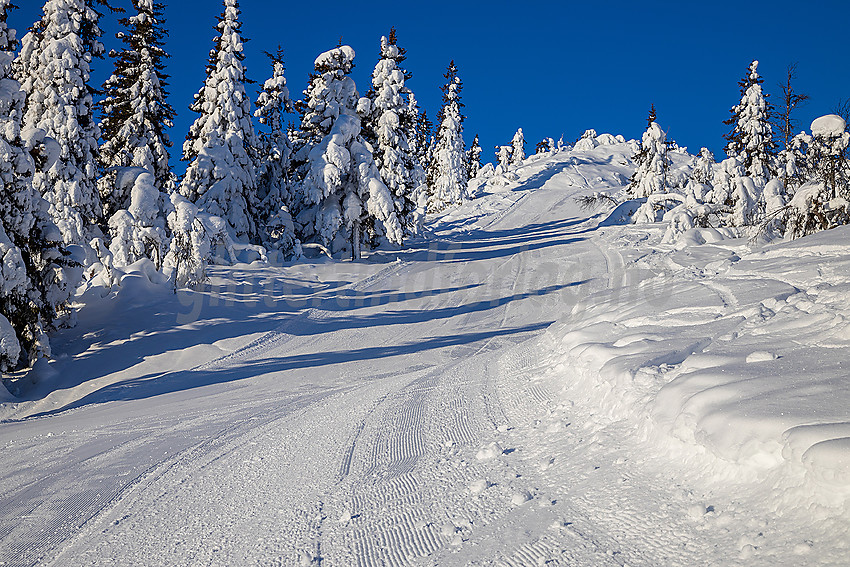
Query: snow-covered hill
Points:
[521, 388]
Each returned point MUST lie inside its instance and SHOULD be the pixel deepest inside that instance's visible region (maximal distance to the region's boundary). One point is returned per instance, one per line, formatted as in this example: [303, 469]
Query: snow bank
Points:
[738, 353]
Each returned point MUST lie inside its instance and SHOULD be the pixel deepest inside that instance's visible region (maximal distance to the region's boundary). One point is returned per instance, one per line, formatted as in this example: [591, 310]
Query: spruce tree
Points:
[54, 70]
[424, 137]
[330, 93]
[473, 158]
[274, 185]
[503, 156]
[136, 113]
[220, 177]
[343, 201]
[518, 145]
[34, 283]
[651, 160]
[751, 137]
[448, 164]
[388, 128]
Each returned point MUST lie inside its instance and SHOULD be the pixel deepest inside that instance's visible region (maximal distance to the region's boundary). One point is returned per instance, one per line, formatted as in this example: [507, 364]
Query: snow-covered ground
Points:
[522, 388]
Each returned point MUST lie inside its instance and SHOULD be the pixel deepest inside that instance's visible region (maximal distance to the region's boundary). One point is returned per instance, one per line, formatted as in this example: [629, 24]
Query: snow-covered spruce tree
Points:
[54, 70]
[34, 284]
[544, 146]
[503, 156]
[473, 158]
[423, 150]
[791, 162]
[388, 128]
[135, 111]
[824, 201]
[703, 167]
[418, 128]
[735, 195]
[751, 137]
[693, 210]
[448, 164]
[699, 184]
[139, 231]
[343, 200]
[651, 160]
[220, 177]
[274, 185]
[518, 151]
[424, 135]
[190, 246]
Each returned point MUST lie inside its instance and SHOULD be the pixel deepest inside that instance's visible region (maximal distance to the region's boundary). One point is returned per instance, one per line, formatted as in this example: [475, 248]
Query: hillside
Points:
[528, 384]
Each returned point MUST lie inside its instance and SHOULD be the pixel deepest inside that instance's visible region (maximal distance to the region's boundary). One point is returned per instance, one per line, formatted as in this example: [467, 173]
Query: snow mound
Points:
[829, 126]
[622, 213]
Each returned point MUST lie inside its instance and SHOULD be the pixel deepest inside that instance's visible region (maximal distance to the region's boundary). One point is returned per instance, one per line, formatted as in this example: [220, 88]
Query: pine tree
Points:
[274, 184]
[220, 177]
[136, 113]
[388, 129]
[343, 200]
[651, 160]
[473, 158]
[448, 165]
[751, 137]
[34, 283]
[518, 148]
[54, 70]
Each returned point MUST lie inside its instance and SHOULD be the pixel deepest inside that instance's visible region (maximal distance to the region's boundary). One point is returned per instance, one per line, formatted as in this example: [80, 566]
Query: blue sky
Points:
[552, 68]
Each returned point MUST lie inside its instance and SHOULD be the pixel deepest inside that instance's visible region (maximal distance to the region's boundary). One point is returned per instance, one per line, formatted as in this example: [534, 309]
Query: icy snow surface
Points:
[523, 388]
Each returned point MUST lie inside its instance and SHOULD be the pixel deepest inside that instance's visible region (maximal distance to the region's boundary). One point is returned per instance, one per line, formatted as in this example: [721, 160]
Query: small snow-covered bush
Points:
[189, 249]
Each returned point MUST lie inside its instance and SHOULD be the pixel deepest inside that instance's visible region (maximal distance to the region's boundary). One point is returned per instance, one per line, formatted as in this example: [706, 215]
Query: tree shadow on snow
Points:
[157, 384]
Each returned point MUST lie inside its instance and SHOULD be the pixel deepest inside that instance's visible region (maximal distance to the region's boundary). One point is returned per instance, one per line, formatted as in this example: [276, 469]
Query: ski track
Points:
[461, 453]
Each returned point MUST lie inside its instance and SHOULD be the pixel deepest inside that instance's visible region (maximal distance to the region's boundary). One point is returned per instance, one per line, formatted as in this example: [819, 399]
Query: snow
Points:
[829, 126]
[529, 385]
[334, 56]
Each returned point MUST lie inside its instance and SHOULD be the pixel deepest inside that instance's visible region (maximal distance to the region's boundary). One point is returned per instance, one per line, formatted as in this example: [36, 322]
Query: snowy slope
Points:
[521, 387]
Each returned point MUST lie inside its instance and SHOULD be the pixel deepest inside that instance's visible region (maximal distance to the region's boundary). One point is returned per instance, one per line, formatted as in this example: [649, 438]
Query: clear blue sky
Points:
[551, 68]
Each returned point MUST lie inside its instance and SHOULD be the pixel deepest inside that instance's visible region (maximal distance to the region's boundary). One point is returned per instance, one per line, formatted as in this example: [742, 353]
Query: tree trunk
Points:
[355, 241]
